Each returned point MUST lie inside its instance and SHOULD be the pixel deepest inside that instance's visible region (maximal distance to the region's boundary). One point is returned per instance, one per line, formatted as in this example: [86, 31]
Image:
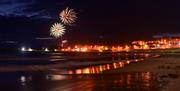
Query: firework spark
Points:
[68, 16]
[57, 30]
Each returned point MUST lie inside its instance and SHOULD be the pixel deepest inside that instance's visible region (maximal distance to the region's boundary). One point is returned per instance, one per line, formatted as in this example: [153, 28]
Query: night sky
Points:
[99, 21]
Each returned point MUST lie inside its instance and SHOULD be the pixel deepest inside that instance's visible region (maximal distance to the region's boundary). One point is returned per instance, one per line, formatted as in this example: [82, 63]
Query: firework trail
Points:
[68, 16]
[57, 30]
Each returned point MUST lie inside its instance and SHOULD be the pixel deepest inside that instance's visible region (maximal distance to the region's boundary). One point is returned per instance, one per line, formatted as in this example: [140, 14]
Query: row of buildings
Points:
[164, 43]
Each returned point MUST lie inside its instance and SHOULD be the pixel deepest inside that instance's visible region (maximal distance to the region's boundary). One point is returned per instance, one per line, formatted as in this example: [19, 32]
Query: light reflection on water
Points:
[100, 68]
[81, 79]
[98, 82]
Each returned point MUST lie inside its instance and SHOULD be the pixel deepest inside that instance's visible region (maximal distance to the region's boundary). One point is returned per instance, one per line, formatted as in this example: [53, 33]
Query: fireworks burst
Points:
[68, 16]
[57, 30]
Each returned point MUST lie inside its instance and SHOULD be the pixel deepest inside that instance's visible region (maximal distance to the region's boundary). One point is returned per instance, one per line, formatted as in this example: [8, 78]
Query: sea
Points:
[73, 71]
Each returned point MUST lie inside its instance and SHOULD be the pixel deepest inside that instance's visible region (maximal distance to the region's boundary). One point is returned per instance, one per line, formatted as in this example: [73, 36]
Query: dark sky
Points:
[99, 21]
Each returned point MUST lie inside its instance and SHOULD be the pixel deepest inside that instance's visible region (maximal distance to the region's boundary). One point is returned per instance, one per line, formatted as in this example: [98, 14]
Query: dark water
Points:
[55, 82]
[72, 72]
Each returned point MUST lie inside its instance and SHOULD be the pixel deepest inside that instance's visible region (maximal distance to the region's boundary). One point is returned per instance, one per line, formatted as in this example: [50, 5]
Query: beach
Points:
[165, 68]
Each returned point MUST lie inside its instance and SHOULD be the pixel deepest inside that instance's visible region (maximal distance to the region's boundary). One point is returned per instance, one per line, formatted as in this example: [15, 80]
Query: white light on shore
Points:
[23, 49]
[30, 49]
[55, 50]
[46, 50]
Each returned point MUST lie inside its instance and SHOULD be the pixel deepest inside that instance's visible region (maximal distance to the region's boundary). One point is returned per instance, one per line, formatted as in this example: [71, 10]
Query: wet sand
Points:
[165, 68]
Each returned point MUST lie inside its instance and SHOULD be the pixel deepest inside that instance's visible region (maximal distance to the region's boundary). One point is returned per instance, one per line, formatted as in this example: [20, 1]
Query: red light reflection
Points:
[100, 68]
